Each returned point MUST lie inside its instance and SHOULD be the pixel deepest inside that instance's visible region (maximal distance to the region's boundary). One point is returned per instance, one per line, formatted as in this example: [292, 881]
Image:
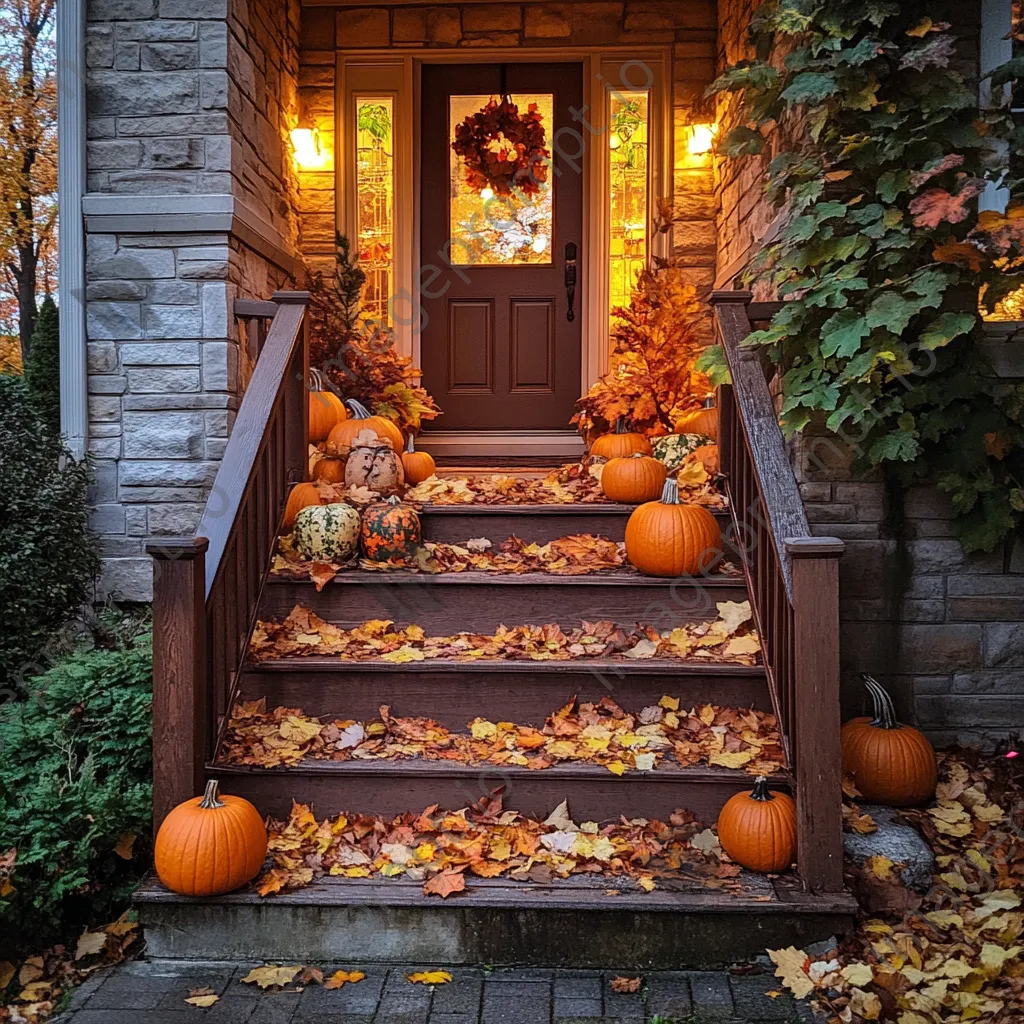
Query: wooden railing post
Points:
[180, 707]
[816, 750]
[296, 409]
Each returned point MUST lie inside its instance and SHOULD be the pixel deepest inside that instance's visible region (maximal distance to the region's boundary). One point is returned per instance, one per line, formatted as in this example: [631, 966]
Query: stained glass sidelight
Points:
[628, 179]
[498, 230]
[375, 197]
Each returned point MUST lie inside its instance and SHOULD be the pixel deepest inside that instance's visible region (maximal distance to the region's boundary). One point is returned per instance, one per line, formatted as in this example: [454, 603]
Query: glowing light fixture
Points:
[307, 151]
[702, 137]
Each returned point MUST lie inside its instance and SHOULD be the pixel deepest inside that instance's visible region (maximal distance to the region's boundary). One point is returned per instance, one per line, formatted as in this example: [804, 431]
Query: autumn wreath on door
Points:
[503, 149]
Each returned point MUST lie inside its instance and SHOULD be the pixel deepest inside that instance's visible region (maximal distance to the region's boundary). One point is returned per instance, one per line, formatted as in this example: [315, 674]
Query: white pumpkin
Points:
[376, 465]
[672, 449]
[327, 533]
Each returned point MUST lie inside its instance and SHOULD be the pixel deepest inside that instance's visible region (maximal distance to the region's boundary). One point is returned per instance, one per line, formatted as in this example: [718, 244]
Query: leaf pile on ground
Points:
[729, 639]
[31, 991]
[442, 849]
[574, 555]
[570, 484]
[596, 733]
[954, 954]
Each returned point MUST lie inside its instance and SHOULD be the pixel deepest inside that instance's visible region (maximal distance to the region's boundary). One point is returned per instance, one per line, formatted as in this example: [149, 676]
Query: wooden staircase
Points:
[210, 590]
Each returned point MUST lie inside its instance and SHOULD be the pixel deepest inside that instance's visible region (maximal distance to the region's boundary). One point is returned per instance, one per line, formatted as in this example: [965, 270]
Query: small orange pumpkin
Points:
[891, 763]
[668, 538]
[418, 466]
[620, 443]
[638, 478]
[390, 531]
[210, 844]
[758, 829]
[330, 469]
[706, 454]
[300, 496]
[700, 421]
[326, 409]
[346, 432]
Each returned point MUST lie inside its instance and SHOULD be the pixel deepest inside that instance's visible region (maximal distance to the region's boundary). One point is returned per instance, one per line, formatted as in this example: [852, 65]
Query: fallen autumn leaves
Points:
[597, 733]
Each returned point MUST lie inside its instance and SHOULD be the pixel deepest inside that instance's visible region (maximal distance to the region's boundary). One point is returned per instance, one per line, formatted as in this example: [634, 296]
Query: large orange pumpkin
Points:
[345, 433]
[300, 496]
[891, 763]
[418, 465]
[700, 421]
[330, 469]
[667, 538]
[620, 443]
[210, 844]
[638, 478]
[758, 829]
[326, 409]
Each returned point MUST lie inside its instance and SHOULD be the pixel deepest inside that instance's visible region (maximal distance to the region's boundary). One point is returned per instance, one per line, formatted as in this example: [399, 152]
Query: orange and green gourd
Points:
[390, 531]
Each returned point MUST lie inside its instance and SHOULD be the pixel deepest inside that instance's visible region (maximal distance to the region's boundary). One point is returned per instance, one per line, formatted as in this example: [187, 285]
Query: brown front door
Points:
[498, 349]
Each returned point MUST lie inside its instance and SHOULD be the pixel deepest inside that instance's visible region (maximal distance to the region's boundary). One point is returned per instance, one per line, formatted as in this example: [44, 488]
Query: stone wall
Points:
[688, 25]
[189, 204]
[943, 630]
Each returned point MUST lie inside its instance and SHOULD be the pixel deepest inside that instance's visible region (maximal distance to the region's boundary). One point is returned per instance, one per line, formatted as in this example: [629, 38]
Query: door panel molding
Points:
[528, 328]
[478, 315]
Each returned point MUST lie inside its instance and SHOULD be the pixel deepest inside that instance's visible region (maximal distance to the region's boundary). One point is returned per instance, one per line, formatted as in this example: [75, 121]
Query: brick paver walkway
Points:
[154, 992]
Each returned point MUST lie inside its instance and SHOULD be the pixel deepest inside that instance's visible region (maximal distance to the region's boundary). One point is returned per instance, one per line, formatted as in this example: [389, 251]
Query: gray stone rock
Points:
[123, 93]
[174, 520]
[120, 10]
[179, 353]
[175, 153]
[172, 321]
[163, 435]
[900, 842]
[102, 357]
[114, 291]
[127, 579]
[200, 124]
[169, 473]
[163, 31]
[99, 46]
[126, 56]
[113, 320]
[114, 154]
[164, 379]
[213, 44]
[169, 56]
[128, 264]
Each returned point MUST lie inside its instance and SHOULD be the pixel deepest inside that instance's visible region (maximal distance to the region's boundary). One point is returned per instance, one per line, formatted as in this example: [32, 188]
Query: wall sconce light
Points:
[702, 137]
[307, 152]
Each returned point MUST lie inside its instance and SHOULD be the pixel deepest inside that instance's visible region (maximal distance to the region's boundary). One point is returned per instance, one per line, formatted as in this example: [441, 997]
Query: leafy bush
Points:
[48, 560]
[42, 368]
[75, 770]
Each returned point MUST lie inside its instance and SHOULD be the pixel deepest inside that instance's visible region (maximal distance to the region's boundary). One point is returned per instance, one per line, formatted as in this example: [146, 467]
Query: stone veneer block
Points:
[363, 27]
[163, 435]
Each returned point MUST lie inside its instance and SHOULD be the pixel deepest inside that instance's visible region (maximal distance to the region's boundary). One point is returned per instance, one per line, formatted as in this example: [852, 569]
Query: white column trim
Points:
[71, 123]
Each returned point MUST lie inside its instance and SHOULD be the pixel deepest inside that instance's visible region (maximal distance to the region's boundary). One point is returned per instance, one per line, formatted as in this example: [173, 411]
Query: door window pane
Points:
[628, 156]
[375, 196]
[492, 230]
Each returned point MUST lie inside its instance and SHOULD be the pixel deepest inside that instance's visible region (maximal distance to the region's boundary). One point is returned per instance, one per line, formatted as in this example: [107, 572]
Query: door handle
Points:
[570, 279]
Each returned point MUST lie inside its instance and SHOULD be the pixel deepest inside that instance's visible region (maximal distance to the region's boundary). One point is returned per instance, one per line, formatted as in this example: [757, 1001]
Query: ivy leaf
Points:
[945, 328]
[892, 311]
[843, 332]
[712, 363]
[742, 141]
[810, 87]
[896, 446]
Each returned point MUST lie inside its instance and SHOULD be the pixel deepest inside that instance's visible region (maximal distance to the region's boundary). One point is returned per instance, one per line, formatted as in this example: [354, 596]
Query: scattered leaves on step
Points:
[590, 732]
[305, 634]
[89, 944]
[340, 978]
[272, 976]
[625, 984]
[429, 978]
[202, 997]
[125, 843]
[955, 954]
[446, 850]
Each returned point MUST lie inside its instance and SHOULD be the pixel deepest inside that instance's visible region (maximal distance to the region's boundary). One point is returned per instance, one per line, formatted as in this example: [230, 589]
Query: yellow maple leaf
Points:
[790, 968]
[125, 842]
[732, 614]
[646, 883]
[203, 1000]
[404, 654]
[616, 767]
[881, 867]
[298, 730]
[483, 730]
[90, 943]
[669, 703]
[339, 978]
[271, 975]
[738, 645]
[993, 956]
[858, 975]
[733, 760]
[429, 978]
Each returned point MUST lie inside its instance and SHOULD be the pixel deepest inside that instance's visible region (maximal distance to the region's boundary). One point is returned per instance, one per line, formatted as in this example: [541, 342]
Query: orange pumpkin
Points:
[667, 538]
[638, 478]
[326, 409]
[390, 531]
[700, 421]
[706, 454]
[758, 829]
[620, 443]
[210, 844]
[891, 763]
[300, 496]
[330, 469]
[345, 433]
[418, 465]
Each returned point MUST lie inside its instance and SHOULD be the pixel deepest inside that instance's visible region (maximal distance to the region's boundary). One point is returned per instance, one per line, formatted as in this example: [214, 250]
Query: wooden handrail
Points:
[793, 581]
[206, 589]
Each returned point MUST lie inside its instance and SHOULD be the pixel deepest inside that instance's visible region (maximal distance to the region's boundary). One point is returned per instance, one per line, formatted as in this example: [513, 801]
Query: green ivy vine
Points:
[879, 153]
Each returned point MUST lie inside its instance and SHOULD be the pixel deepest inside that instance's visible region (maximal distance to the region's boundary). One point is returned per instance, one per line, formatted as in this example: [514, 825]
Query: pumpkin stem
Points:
[359, 411]
[393, 499]
[410, 445]
[670, 492]
[885, 710]
[211, 800]
[317, 379]
[709, 402]
[620, 425]
[761, 791]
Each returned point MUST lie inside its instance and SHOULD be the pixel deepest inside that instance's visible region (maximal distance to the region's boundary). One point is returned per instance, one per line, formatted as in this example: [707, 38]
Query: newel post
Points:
[180, 699]
[816, 750]
[296, 398]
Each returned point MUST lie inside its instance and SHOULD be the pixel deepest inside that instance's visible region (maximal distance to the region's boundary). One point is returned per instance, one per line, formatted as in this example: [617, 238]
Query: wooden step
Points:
[585, 921]
[479, 602]
[453, 693]
[455, 524]
[391, 787]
